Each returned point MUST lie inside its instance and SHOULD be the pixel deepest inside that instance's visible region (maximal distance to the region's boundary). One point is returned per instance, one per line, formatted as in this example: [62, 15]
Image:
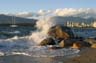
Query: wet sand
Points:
[87, 55]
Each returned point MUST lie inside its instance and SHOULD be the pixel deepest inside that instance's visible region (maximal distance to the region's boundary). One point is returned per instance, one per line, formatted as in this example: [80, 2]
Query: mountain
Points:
[7, 20]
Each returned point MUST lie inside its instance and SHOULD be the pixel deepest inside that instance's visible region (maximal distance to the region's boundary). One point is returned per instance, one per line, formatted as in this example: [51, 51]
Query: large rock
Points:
[66, 43]
[64, 36]
[74, 44]
[61, 32]
[84, 43]
[47, 41]
[91, 41]
[81, 44]
[58, 33]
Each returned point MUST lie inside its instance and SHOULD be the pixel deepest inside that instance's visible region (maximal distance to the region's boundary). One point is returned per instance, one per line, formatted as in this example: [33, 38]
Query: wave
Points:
[28, 45]
[43, 52]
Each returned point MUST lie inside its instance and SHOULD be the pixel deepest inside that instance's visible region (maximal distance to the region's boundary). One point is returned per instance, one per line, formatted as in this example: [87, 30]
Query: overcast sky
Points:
[35, 5]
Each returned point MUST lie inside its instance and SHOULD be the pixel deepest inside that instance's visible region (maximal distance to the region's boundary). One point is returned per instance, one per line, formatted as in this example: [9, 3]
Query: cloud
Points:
[24, 14]
[27, 14]
[76, 12]
[44, 12]
[81, 12]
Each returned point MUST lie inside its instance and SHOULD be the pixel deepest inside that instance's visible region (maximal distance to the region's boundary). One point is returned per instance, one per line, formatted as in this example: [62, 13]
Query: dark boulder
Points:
[81, 44]
[74, 43]
[60, 32]
[47, 41]
[84, 43]
[66, 43]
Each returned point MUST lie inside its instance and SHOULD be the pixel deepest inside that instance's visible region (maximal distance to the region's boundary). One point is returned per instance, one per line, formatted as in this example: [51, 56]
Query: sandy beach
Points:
[88, 55]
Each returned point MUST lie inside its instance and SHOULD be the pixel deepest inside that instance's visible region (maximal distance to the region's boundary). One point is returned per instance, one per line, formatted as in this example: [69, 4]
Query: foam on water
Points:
[21, 46]
[42, 52]
[28, 45]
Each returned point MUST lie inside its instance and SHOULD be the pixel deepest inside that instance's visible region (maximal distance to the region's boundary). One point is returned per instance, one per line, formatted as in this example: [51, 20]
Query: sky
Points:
[35, 5]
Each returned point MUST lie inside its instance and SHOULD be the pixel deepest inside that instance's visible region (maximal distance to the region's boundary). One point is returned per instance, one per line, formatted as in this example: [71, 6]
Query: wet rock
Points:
[81, 44]
[62, 44]
[92, 42]
[86, 44]
[93, 46]
[77, 45]
[74, 44]
[66, 43]
[60, 32]
[47, 41]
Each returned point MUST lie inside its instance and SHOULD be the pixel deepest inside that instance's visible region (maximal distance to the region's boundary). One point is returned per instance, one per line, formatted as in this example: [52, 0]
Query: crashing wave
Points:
[27, 45]
[41, 51]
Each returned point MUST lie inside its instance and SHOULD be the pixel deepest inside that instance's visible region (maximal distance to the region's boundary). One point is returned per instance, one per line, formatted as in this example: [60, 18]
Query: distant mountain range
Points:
[8, 20]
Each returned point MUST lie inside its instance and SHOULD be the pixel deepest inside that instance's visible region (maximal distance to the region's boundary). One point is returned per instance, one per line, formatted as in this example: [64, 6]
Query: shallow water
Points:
[27, 59]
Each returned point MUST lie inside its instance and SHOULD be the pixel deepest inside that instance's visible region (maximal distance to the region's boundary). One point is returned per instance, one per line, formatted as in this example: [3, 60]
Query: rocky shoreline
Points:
[64, 37]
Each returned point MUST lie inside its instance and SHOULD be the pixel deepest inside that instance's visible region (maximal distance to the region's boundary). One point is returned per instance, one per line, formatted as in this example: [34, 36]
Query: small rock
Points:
[61, 44]
[93, 46]
[77, 45]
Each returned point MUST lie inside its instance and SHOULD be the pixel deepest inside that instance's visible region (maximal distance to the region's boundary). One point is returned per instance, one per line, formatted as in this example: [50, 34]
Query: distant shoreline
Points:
[30, 24]
[27, 24]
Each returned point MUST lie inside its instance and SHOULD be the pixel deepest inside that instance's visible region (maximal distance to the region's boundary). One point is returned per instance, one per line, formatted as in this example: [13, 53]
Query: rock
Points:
[93, 46]
[92, 41]
[62, 44]
[60, 32]
[66, 43]
[81, 44]
[77, 45]
[47, 41]
[74, 44]
[85, 44]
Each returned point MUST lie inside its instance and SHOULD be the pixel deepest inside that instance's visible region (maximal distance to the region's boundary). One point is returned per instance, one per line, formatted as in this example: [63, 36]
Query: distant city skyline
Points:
[12, 6]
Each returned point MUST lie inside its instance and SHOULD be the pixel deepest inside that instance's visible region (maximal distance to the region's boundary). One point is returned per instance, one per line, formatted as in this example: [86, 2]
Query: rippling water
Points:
[16, 46]
[23, 46]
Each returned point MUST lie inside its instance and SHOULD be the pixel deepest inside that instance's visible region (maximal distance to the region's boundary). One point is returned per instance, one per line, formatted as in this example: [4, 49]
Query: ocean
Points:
[20, 44]
[17, 45]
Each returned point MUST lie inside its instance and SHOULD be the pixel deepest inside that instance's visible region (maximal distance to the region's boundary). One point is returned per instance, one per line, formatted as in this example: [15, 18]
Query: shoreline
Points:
[87, 55]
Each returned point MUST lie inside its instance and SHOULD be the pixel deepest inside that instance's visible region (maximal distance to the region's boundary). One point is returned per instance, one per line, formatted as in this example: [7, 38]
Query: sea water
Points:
[24, 40]
[23, 45]
[23, 49]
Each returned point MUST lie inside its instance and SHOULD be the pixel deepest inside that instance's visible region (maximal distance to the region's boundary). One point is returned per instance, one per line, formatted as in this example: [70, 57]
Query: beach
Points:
[87, 55]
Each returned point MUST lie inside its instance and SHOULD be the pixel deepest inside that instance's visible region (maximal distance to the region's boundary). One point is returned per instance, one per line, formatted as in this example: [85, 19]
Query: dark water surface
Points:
[9, 32]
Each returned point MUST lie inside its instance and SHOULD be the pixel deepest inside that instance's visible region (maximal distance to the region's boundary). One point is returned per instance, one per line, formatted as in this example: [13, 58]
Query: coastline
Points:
[87, 55]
